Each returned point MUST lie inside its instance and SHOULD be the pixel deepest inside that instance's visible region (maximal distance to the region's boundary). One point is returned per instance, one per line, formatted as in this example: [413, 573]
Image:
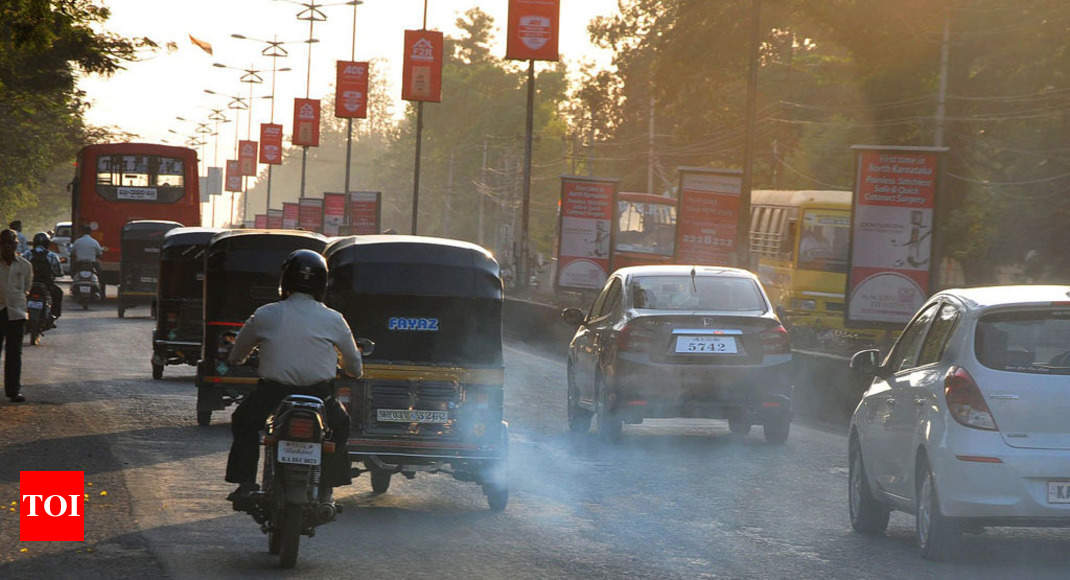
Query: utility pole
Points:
[312, 14]
[419, 142]
[525, 202]
[346, 218]
[743, 223]
[941, 99]
[482, 190]
[650, 146]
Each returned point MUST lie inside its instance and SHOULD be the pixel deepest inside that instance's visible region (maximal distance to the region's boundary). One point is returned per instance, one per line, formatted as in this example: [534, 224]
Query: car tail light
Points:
[635, 337]
[300, 428]
[775, 340]
[965, 402]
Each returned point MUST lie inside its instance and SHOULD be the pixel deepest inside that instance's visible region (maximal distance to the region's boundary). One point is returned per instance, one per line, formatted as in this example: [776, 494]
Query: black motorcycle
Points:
[39, 308]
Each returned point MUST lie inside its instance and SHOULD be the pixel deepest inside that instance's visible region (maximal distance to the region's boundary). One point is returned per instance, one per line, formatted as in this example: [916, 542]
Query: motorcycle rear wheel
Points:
[290, 535]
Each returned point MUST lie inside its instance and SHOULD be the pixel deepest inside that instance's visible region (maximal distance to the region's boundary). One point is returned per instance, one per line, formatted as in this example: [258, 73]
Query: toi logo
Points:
[51, 506]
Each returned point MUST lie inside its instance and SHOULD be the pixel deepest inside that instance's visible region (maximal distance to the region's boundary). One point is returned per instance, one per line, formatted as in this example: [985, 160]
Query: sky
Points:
[146, 98]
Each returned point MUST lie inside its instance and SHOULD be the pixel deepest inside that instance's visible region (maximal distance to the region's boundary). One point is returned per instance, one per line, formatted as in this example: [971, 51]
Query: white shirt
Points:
[86, 249]
[299, 341]
[15, 282]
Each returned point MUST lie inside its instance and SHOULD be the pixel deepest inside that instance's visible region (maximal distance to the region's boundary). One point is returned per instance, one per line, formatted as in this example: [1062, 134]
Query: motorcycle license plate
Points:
[299, 452]
[85, 290]
[35, 304]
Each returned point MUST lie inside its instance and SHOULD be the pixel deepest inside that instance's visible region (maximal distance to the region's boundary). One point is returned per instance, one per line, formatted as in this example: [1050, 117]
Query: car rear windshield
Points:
[722, 293]
[1029, 341]
[63, 231]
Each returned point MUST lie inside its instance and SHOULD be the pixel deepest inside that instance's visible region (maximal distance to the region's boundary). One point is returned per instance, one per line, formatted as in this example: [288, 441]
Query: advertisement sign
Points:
[532, 33]
[422, 69]
[260, 221]
[271, 143]
[233, 175]
[214, 181]
[247, 157]
[310, 214]
[364, 212]
[274, 219]
[306, 122]
[289, 215]
[707, 216]
[351, 100]
[584, 232]
[334, 213]
[891, 252]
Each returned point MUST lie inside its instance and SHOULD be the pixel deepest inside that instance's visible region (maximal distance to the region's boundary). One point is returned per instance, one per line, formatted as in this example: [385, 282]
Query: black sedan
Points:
[679, 341]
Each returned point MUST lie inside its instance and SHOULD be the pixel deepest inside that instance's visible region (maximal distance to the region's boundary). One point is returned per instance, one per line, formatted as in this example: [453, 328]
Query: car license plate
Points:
[299, 452]
[1059, 492]
[411, 416]
[148, 279]
[35, 304]
[706, 344]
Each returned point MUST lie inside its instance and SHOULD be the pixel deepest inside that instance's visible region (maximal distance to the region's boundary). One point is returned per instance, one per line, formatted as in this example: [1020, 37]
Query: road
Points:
[675, 499]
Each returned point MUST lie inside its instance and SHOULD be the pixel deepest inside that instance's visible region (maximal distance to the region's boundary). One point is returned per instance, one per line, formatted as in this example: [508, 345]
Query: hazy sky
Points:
[146, 98]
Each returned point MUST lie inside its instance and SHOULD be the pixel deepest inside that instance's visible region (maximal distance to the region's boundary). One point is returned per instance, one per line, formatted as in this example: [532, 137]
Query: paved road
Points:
[674, 499]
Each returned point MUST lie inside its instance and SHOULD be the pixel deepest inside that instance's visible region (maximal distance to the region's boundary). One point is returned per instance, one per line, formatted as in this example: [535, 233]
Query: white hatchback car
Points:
[966, 423]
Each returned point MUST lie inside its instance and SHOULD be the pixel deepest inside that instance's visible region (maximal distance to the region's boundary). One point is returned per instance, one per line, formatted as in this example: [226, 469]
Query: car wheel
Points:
[938, 536]
[739, 425]
[609, 423]
[776, 429]
[380, 480]
[579, 420]
[868, 516]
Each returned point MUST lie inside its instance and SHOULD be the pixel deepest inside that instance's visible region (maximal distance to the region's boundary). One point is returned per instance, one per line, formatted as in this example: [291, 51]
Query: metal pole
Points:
[522, 267]
[483, 178]
[349, 121]
[416, 167]
[743, 223]
[274, 70]
[945, 49]
[650, 146]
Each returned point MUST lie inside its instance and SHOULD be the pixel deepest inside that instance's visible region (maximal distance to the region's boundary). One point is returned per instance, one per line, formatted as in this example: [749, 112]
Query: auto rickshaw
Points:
[431, 395]
[179, 298]
[241, 274]
[139, 261]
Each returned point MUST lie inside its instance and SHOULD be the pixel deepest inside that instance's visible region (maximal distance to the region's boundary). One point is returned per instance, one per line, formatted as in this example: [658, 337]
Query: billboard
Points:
[310, 214]
[247, 157]
[274, 219]
[271, 143]
[707, 215]
[422, 68]
[891, 251]
[289, 215]
[260, 221]
[233, 182]
[214, 181]
[306, 122]
[364, 212]
[584, 230]
[334, 213]
[351, 96]
[532, 33]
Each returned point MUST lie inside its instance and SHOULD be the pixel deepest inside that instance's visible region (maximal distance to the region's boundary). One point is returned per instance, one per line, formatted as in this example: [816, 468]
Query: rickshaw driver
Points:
[298, 337]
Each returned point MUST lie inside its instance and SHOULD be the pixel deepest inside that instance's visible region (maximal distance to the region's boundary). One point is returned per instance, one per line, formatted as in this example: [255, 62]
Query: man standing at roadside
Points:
[16, 276]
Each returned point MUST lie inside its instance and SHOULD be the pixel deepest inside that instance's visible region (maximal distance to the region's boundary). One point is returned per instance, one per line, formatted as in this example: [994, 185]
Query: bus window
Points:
[824, 240]
[151, 178]
[645, 228]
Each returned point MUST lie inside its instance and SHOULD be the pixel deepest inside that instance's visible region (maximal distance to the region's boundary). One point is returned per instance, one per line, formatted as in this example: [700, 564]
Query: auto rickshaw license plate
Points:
[411, 416]
[299, 452]
[35, 304]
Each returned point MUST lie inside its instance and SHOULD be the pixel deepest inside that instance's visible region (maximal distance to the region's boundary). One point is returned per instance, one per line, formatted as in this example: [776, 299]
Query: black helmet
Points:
[304, 271]
[41, 239]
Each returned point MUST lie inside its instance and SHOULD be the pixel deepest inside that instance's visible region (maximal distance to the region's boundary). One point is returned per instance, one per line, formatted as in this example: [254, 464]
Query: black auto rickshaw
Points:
[179, 293]
[431, 395]
[241, 274]
[139, 261]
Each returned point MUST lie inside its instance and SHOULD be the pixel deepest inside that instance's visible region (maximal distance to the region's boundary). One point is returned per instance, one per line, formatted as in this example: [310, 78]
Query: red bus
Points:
[118, 182]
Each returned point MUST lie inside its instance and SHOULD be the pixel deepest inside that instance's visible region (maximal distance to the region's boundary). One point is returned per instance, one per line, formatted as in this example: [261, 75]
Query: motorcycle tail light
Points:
[301, 428]
[775, 340]
[965, 401]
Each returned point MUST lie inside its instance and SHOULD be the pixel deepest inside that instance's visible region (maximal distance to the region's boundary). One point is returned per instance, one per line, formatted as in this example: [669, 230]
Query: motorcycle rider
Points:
[299, 339]
[86, 249]
[46, 269]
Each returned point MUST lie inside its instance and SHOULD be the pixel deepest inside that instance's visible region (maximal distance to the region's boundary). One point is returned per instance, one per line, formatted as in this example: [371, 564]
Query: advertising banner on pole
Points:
[584, 230]
[310, 214]
[214, 181]
[274, 219]
[260, 221]
[422, 68]
[289, 215]
[352, 90]
[334, 213]
[364, 212]
[892, 225]
[247, 157]
[233, 175]
[271, 143]
[306, 122]
[707, 216]
[532, 33]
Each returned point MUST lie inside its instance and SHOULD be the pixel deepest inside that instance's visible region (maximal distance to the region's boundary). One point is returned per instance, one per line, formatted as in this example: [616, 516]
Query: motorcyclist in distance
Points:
[86, 249]
[46, 268]
[299, 339]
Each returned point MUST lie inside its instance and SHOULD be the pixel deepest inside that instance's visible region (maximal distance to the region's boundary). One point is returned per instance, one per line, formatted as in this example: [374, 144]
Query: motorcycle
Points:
[85, 286]
[39, 308]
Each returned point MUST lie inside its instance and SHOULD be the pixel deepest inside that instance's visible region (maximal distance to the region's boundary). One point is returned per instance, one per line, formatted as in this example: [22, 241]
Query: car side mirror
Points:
[865, 362]
[573, 316]
[366, 346]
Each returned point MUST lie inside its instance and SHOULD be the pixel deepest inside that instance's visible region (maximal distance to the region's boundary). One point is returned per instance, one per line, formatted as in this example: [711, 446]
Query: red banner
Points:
[247, 157]
[334, 213]
[707, 216]
[364, 212]
[271, 143]
[422, 70]
[274, 219]
[351, 96]
[233, 180]
[532, 33]
[310, 214]
[260, 221]
[306, 122]
[289, 215]
[584, 231]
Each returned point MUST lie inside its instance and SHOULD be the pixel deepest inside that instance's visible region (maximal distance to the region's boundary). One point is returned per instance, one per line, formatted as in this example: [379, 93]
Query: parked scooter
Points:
[39, 308]
[85, 285]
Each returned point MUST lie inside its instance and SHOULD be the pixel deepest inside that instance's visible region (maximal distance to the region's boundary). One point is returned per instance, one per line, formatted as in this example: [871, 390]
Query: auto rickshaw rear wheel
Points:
[497, 496]
[380, 480]
[204, 418]
[157, 373]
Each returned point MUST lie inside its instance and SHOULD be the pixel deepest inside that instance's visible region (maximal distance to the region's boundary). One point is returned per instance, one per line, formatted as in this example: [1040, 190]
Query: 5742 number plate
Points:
[706, 345]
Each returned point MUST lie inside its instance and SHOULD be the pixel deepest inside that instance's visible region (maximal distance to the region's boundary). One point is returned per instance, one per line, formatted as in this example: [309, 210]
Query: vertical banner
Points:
[214, 181]
[260, 221]
[422, 68]
[306, 122]
[271, 143]
[364, 212]
[334, 213]
[351, 95]
[289, 215]
[584, 230]
[247, 157]
[707, 216]
[233, 175]
[274, 219]
[310, 214]
[532, 33]
[891, 255]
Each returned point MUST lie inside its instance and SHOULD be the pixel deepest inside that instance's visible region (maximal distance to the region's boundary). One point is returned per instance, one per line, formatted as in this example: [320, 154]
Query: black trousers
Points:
[11, 331]
[248, 419]
[57, 299]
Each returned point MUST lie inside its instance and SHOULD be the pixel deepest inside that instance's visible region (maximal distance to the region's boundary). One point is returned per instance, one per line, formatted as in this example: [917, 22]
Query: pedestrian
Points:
[23, 246]
[16, 276]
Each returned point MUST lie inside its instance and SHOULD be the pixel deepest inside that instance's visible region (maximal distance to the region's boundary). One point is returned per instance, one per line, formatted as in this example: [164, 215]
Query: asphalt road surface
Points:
[674, 499]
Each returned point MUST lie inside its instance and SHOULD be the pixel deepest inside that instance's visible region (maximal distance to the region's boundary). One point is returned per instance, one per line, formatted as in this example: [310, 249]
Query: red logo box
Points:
[51, 506]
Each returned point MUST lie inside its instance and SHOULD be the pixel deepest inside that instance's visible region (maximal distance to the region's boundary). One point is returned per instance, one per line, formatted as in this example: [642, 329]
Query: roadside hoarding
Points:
[364, 212]
[214, 181]
[532, 33]
[352, 90]
[247, 157]
[334, 213]
[584, 230]
[892, 223]
[422, 67]
[306, 122]
[289, 215]
[260, 221]
[310, 214]
[707, 215]
[274, 219]
[233, 182]
[271, 143]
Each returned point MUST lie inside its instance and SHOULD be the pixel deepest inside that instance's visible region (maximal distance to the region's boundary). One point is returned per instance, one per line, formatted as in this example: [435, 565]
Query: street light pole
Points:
[312, 14]
[349, 120]
[419, 142]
